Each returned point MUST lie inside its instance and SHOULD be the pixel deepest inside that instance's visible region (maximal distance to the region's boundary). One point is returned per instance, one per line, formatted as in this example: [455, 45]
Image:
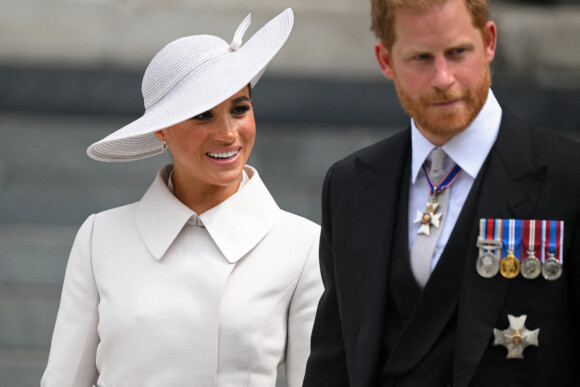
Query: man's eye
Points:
[421, 57]
[458, 52]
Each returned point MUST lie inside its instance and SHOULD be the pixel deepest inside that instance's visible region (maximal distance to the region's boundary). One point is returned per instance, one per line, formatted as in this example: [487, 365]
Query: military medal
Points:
[509, 266]
[489, 243]
[516, 337]
[553, 232]
[430, 217]
[531, 266]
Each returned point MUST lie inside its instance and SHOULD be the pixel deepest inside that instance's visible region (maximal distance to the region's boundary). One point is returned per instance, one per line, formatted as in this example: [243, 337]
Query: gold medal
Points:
[509, 266]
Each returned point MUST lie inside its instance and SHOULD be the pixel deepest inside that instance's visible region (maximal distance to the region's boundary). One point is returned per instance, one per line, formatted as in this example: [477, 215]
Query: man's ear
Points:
[384, 58]
[490, 40]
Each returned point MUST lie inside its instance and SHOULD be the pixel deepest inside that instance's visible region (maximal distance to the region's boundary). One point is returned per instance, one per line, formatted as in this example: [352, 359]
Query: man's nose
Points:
[443, 77]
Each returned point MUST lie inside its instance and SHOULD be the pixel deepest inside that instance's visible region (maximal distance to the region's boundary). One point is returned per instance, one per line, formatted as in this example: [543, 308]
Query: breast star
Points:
[516, 337]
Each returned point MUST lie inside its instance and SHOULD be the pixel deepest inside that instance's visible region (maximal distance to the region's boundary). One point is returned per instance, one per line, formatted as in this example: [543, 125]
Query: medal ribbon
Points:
[512, 238]
[555, 237]
[498, 229]
[544, 238]
[560, 245]
[488, 230]
[446, 182]
[532, 239]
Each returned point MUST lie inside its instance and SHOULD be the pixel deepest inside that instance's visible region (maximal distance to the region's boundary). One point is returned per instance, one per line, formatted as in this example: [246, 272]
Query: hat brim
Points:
[199, 92]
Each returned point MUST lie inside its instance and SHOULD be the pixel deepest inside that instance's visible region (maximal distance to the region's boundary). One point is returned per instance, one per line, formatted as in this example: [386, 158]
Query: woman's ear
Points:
[160, 134]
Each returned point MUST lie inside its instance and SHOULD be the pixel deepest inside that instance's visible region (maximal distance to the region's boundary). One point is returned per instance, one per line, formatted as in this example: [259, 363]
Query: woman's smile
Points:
[223, 155]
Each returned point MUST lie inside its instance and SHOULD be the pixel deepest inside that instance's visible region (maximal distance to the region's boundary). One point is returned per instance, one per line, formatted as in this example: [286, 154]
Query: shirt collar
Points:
[235, 225]
[469, 148]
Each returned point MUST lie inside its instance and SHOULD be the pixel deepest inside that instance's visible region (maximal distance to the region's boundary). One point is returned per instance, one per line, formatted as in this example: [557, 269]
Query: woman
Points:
[204, 281]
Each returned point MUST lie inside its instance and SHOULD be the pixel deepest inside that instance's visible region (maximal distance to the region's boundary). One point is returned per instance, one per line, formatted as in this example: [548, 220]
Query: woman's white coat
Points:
[150, 299]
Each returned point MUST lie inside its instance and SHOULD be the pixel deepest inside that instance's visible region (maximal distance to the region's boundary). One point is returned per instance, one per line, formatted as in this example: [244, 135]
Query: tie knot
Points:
[436, 171]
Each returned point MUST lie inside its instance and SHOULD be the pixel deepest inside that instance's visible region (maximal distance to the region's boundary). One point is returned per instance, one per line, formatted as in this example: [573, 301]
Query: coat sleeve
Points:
[72, 358]
[327, 364]
[301, 316]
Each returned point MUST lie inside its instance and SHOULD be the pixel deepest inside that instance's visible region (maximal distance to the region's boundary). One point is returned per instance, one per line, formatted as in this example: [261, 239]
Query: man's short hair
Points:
[383, 15]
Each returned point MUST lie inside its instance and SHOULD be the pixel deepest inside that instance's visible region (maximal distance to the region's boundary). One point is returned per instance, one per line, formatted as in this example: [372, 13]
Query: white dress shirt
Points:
[468, 149]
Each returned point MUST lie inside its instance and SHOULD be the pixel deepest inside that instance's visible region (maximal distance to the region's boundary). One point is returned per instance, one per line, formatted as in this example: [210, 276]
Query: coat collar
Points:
[235, 225]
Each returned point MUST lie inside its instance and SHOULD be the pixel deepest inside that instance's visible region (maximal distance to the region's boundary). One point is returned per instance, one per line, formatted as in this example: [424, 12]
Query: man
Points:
[413, 296]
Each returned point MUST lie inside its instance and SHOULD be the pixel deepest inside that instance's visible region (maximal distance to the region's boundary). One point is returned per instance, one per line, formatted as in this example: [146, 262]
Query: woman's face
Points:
[212, 148]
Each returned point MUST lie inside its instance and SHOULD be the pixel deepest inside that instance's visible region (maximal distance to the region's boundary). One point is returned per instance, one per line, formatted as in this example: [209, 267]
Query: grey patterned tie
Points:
[423, 248]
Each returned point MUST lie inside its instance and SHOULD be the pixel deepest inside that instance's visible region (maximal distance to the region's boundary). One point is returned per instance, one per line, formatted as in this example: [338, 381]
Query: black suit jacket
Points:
[446, 333]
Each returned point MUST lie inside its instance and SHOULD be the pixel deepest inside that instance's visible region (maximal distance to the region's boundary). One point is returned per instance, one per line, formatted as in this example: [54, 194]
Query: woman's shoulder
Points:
[298, 223]
[116, 213]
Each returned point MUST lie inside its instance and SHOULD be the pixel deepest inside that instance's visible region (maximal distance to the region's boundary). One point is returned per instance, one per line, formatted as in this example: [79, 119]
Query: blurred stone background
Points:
[70, 73]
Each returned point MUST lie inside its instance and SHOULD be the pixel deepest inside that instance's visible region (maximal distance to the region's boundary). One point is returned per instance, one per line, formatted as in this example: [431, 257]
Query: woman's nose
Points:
[225, 129]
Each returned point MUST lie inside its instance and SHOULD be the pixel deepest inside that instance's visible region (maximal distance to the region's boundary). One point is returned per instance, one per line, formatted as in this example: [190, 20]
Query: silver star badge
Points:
[517, 337]
[428, 218]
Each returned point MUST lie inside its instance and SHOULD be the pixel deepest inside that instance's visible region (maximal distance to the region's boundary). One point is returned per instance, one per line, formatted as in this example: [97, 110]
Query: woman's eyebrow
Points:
[241, 99]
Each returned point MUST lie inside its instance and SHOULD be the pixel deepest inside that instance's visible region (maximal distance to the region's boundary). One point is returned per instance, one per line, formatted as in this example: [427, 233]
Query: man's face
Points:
[440, 65]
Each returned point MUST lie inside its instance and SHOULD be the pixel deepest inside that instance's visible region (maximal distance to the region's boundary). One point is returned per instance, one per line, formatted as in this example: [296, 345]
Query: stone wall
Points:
[331, 38]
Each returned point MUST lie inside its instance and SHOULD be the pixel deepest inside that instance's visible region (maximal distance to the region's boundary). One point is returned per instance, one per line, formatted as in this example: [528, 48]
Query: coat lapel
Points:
[511, 186]
[380, 174]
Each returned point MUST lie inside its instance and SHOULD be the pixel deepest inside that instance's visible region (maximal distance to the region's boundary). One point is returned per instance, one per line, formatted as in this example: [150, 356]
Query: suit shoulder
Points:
[545, 142]
[375, 154]
[379, 148]
[551, 141]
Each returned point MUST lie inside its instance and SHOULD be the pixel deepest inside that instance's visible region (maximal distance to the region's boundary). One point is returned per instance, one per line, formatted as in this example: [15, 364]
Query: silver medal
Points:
[516, 337]
[487, 264]
[531, 266]
[552, 269]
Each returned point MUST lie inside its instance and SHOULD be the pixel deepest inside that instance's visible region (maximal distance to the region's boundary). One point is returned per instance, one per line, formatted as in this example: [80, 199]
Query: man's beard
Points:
[446, 122]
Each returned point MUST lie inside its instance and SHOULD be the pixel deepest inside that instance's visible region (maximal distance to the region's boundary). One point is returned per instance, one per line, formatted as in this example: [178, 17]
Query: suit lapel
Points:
[511, 186]
[403, 288]
[379, 173]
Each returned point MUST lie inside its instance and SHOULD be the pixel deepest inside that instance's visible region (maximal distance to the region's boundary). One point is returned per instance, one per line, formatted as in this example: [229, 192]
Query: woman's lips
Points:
[223, 155]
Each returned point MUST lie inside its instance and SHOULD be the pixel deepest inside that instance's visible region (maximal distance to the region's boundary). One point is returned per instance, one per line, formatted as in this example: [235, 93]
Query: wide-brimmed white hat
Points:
[189, 76]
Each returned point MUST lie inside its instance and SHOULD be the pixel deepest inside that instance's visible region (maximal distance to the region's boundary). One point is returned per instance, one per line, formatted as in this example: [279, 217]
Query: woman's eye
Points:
[203, 116]
[240, 110]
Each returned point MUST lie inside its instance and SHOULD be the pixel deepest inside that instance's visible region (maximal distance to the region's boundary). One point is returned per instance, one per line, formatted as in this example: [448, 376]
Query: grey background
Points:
[70, 73]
